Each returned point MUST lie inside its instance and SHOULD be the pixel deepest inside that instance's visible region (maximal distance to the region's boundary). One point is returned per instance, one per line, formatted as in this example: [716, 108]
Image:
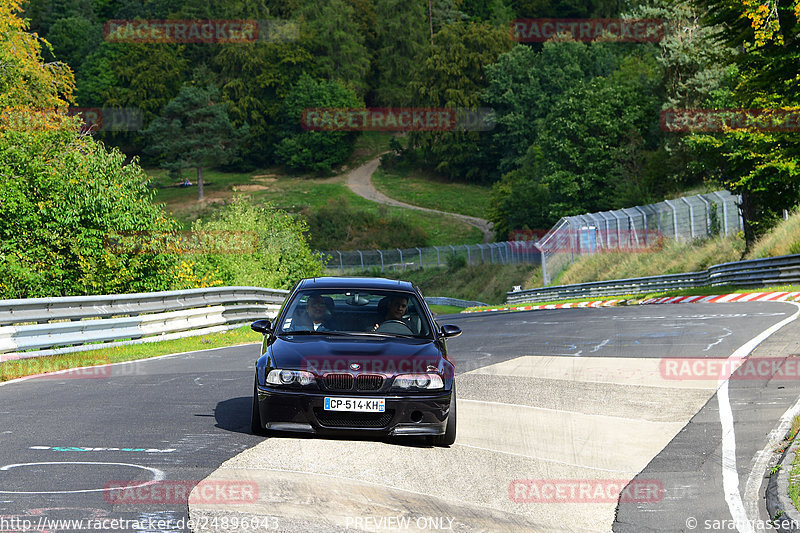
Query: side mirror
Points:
[262, 326]
[449, 330]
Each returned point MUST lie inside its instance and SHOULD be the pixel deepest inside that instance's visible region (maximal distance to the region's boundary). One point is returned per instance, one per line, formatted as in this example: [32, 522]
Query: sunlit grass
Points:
[38, 365]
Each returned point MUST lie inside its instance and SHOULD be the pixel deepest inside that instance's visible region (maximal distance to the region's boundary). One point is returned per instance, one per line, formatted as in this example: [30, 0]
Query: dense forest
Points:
[576, 124]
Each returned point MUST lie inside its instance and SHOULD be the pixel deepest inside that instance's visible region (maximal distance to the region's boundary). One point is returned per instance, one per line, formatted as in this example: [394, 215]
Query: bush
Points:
[62, 196]
[279, 254]
[339, 226]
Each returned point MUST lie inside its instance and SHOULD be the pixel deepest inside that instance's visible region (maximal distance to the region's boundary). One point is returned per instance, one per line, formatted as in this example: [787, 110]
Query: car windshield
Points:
[354, 311]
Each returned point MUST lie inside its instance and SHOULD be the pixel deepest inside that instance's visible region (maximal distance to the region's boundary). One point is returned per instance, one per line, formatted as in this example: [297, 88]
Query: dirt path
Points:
[360, 182]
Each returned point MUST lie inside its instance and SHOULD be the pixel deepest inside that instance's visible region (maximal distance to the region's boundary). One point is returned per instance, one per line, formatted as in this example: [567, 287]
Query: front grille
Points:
[339, 381]
[369, 382]
[340, 419]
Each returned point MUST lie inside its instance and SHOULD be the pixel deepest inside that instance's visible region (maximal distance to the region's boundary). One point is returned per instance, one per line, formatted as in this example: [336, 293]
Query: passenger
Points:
[392, 308]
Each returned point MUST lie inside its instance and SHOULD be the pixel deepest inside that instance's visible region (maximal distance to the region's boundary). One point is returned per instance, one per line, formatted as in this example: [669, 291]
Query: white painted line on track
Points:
[730, 476]
[158, 475]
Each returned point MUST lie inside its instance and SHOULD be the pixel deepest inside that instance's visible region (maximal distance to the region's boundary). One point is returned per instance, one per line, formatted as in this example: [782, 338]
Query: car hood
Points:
[373, 354]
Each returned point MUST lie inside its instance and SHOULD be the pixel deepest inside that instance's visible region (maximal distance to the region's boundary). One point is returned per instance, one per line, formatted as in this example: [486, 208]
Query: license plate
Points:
[359, 405]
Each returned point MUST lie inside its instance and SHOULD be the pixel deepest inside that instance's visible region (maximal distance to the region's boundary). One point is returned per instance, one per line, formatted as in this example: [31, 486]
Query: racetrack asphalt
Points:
[576, 395]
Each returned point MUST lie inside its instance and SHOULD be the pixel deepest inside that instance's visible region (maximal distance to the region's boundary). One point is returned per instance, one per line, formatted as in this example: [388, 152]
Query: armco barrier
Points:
[47, 326]
[781, 270]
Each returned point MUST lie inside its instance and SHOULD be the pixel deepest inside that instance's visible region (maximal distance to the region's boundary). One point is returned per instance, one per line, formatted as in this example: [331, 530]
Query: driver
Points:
[395, 309]
[316, 317]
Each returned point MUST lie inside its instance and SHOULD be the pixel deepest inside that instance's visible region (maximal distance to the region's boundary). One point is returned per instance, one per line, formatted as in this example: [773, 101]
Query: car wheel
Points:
[449, 436]
[255, 417]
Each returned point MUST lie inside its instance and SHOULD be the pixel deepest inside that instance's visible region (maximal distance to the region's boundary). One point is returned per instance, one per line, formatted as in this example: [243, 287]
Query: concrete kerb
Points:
[714, 298]
[780, 507]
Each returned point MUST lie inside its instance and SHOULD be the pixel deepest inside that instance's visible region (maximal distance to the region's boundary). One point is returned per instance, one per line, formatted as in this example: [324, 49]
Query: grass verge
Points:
[424, 189]
[40, 365]
[794, 473]
[668, 257]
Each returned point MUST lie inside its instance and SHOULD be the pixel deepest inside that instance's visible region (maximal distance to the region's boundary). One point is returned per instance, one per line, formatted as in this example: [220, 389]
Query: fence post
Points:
[341, 264]
[381, 254]
[402, 264]
[708, 214]
[724, 210]
[544, 265]
[438, 259]
[691, 215]
[674, 219]
[420, 257]
[644, 216]
[491, 253]
[469, 256]
[362, 259]
[619, 235]
[594, 218]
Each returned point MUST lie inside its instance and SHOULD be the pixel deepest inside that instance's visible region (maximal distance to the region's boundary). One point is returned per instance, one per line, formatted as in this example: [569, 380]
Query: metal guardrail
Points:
[47, 326]
[455, 302]
[782, 270]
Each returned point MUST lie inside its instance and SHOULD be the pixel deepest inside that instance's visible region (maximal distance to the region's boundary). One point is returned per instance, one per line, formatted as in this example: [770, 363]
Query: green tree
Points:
[194, 131]
[25, 80]
[453, 76]
[318, 151]
[759, 165]
[333, 35]
[402, 41]
[74, 38]
[254, 80]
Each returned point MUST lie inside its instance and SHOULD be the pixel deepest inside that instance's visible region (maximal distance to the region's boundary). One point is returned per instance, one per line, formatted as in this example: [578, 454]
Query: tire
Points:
[449, 436]
[255, 414]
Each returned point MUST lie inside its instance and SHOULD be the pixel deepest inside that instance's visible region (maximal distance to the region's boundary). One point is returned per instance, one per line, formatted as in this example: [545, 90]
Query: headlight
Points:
[418, 381]
[289, 377]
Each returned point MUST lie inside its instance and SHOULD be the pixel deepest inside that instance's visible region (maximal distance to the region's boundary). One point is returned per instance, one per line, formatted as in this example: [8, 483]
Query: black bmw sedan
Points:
[355, 355]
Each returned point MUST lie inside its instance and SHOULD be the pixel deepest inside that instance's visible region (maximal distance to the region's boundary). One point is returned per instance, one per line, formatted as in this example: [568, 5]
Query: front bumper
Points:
[302, 411]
